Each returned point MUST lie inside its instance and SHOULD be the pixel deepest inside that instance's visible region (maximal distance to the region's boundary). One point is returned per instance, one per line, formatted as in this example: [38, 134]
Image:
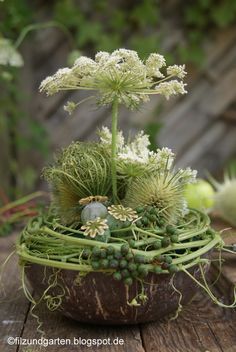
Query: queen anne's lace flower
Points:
[70, 107]
[92, 228]
[120, 75]
[188, 175]
[106, 138]
[9, 55]
[119, 212]
[135, 158]
[172, 87]
[137, 150]
[177, 71]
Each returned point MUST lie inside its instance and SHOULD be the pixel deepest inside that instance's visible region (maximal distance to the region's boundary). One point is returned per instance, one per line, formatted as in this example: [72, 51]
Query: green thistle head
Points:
[164, 191]
[81, 170]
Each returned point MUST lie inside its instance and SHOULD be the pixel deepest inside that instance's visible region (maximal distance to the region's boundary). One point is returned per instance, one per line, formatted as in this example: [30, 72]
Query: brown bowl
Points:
[98, 299]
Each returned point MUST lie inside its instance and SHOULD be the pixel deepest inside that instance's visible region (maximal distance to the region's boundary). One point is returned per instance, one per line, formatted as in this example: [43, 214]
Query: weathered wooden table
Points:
[201, 327]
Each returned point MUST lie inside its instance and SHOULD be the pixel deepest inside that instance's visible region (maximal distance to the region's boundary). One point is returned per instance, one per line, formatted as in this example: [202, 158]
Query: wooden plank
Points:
[223, 40]
[199, 328]
[217, 154]
[63, 128]
[56, 326]
[194, 118]
[13, 305]
[221, 95]
[206, 143]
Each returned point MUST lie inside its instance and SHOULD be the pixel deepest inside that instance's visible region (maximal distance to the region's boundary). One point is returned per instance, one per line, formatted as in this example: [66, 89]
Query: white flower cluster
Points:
[120, 75]
[106, 137]
[188, 175]
[135, 158]
[172, 87]
[9, 55]
[136, 151]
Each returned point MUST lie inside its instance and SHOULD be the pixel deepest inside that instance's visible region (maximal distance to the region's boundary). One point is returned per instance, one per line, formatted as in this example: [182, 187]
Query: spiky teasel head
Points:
[225, 199]
[163, 190]
[81, 170]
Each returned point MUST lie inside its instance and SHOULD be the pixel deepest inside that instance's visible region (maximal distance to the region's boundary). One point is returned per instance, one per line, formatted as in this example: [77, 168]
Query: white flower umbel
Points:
[121, 75]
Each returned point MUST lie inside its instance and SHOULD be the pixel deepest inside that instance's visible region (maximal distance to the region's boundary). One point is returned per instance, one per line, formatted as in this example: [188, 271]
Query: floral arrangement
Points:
[117, 207]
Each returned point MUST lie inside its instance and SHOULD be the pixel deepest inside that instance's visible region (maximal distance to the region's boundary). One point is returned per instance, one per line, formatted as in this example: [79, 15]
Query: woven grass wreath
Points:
[117, 207]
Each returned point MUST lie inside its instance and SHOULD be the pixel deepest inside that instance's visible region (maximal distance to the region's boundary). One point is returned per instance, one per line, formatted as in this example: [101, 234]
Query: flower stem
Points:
[114, 149]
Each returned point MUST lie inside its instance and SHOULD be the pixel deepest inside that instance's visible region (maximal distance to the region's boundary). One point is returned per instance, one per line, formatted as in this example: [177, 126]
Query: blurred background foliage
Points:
[93, 25]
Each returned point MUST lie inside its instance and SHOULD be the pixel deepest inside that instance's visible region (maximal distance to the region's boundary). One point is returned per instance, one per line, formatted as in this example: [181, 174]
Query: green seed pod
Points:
[139, 209]
[149, 208]
[86, 253]
[145, 221]
[126, 224]
[131, 242]
[157, 245]
[160, 258]
[165, 266]
[132, 266]
[153, 211]
[141, 268]
[103, 253]
[165, 242]
[123, 263]
[114, 264]
[153, 218]
[95, 265]
[149, 216]
[173, 269]
[104, 263]
[171, 230]
[143, 273]
[128, 281]
[174, 238]
[139, 223]
[124, 249]
[110, 250]
[105, 237]
[117, 255]
[129, 256]
[168, 259]
[125, 273]
[110, 257]
[93, 211]
[117, 276]
[157, 270]
[96, 252]
[161, 222]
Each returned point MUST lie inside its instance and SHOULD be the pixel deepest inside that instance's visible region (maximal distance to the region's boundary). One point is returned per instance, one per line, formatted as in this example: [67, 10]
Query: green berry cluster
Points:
[150, 216]
[171, 236]
[165, 263]
[125, 264]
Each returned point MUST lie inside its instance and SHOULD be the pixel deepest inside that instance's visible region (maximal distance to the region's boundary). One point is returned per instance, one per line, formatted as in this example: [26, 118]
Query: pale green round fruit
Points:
[225, 201]
[200, 195]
